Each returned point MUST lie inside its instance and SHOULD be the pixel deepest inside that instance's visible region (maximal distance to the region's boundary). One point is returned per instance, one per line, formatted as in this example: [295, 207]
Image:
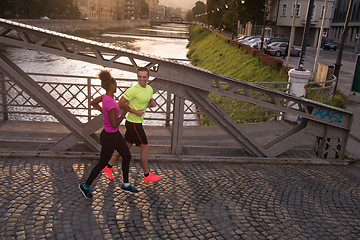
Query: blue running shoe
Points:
[129, 189]
[85, 191]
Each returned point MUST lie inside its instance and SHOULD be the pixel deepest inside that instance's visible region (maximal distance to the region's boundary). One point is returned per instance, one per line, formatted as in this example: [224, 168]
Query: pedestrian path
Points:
[40, 199]
[205, 143]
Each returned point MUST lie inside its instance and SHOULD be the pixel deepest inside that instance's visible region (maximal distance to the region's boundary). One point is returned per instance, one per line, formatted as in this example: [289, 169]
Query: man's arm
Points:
[152, 103]
[124, 104]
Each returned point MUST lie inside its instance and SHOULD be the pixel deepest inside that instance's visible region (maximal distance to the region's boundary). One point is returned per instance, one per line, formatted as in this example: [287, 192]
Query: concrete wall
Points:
[72, 25]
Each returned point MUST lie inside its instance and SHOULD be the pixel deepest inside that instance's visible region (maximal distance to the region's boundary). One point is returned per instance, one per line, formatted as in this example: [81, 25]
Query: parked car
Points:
[252, 41]
[276, 39]
[279, 48]
[247, 39]
[327, 44]
[241, 38]
[44, 18]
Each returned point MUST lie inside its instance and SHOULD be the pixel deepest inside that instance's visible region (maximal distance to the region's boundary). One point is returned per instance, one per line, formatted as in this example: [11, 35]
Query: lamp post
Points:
[263, 27]
[305, 36]
[292, 33]
[16, 7]
[341, 47]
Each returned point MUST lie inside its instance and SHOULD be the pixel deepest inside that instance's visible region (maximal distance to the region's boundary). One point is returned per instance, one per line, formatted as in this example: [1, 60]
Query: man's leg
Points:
[144, 153]
[144, 160]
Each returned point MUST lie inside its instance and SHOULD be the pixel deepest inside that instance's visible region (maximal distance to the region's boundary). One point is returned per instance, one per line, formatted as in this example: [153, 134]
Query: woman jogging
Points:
[110, 136]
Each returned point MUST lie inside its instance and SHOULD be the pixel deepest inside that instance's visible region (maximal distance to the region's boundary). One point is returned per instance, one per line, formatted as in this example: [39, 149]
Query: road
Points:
[328, 57]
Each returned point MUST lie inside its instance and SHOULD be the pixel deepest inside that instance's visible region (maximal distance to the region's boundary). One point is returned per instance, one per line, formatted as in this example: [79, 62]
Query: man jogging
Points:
[135, 100]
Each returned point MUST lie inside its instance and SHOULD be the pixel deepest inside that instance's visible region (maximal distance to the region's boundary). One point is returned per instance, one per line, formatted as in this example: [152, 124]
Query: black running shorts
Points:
[135, 133]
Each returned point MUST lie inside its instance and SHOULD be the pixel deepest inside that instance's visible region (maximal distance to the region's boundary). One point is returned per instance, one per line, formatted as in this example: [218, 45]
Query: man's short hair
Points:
[143, 69]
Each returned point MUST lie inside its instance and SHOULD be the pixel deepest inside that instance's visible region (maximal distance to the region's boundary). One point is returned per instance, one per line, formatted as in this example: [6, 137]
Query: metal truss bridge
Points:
[213, 93]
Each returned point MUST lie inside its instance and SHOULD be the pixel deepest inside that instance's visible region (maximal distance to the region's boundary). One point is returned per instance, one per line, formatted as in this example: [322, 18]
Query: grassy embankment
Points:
[210, 51]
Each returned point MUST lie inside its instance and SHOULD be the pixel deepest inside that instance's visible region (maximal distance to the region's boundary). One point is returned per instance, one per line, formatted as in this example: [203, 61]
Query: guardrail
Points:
[76, 92]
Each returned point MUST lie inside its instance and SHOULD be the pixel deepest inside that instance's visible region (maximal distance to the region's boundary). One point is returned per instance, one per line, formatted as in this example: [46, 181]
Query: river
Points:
[157, 45]
[167, 41]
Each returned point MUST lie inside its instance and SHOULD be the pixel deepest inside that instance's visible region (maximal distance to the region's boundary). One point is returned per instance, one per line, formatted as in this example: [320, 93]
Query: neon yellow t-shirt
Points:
[138, 98]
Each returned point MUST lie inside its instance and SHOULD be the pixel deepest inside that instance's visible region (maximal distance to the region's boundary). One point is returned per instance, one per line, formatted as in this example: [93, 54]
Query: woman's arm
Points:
[115, 122]
[95, 103]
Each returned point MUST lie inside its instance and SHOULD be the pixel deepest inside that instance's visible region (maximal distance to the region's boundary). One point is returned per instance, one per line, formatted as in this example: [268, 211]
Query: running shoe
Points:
[152, 178]
[85, 191]
[108, 172]
[129, 189]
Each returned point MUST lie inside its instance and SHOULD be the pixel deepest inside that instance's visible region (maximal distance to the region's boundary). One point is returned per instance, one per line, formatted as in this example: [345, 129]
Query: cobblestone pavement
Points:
[40, 199]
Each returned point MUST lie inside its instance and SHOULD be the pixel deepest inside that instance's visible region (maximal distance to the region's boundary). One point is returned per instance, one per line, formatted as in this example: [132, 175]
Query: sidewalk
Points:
[40, 199]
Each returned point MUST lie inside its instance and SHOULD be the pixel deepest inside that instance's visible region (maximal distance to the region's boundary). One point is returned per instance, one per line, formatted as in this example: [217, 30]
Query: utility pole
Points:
[320, 37]
[292, 33]
[305, 36]
[341, 47]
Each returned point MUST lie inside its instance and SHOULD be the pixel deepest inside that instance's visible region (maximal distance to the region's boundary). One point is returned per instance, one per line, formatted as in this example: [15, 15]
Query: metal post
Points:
[292, 33]
[89, 98]
[3, 97]
[263, 27]
[320, 38]
[341, 47]
[177, 128]
[305, 36]
[168, 108]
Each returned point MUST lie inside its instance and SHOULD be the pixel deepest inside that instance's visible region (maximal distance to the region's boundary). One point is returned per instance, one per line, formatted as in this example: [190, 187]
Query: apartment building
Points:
[281, 14]
[337, 25]
[110, 9]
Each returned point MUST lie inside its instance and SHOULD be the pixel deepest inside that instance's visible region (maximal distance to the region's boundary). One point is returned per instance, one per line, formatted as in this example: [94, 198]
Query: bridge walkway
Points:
[206, 143]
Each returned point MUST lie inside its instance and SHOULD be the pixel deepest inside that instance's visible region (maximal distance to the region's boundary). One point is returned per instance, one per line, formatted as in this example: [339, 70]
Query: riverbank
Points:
[69, 25]
[209, 50]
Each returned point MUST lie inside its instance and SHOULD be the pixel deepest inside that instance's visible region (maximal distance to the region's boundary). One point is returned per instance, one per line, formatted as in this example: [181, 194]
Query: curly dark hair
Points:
[106, 79]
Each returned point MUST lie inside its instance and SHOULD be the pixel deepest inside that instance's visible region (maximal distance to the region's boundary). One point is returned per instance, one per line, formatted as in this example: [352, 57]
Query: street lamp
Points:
[305, 36]
[263, 28]
[341, 47]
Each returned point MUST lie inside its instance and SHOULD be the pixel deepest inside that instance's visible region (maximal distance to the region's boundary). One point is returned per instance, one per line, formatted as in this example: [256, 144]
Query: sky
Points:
[184, 4]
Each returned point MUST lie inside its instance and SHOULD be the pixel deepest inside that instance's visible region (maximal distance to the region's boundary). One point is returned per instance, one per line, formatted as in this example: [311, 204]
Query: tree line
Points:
[227, 13]
[38, 8]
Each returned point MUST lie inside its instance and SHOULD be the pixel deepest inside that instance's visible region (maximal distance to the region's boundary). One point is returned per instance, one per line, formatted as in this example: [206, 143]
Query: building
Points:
[153, 5]
[110, 9]
[99, 9]
[337, 25]
[281, 14]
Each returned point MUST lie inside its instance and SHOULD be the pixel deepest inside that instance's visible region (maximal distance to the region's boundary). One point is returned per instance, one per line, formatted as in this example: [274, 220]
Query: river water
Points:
[157, 45]
[167, 41]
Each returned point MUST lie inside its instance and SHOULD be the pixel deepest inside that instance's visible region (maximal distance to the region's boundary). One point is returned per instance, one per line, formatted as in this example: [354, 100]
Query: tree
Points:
[189, 16]
[198, 11]
[228, 12]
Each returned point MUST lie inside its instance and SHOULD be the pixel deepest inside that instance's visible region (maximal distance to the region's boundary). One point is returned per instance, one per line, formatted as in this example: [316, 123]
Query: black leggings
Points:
[110, 142]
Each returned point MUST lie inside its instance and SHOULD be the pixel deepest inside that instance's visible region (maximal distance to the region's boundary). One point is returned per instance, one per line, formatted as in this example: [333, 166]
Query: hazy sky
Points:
[185, 4]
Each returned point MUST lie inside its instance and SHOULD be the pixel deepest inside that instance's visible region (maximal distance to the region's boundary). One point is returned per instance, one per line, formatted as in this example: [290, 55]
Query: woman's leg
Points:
[123, 150]
[108, 143]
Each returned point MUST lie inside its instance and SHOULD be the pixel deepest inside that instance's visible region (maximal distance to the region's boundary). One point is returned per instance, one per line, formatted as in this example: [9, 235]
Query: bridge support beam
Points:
[33, 89]
[178, 125]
